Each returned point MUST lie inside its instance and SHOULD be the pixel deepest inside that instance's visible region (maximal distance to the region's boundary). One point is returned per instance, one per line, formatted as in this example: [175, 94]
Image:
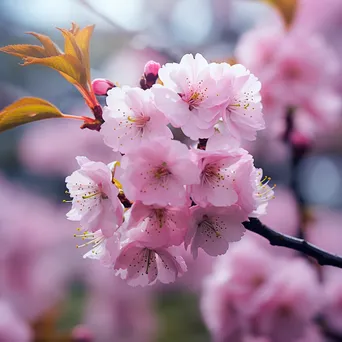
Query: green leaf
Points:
[26, 110]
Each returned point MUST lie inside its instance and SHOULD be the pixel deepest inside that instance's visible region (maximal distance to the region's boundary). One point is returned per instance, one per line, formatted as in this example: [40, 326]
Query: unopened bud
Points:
[81, 333]
[300, 140]
[101, 86]
[152, 68]
[150, 75]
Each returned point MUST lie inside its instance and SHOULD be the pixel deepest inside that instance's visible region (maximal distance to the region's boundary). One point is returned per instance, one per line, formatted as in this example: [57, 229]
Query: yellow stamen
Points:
[92, 195]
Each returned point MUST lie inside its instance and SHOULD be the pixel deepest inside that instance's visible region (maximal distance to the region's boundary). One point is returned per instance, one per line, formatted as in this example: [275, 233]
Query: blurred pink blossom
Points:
[34, 243]
[282, 213]
[116, 311]
[252, 291]
[297, 68]
[12, 327]
[50, 147]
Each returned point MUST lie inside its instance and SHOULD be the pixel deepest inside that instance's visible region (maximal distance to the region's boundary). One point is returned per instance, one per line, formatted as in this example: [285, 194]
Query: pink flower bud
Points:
[299, 139]
[101, 86]
[81, 333]
[151, 67]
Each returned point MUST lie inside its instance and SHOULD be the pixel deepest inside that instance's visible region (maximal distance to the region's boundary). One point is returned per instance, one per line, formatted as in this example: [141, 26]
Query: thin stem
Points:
[75, 117]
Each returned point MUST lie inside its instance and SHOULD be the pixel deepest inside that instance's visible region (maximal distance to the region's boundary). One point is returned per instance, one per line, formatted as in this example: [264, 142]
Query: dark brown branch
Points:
[300, 245]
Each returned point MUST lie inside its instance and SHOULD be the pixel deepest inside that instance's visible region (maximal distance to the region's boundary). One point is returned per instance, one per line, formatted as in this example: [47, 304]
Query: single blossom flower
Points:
[142, 265]
[217, 177]
[131, 118]
[191, 97]
[252, 187]
[287, 304]
[156, 172]
[94, 196]
[213, 228]
[158, 226]
[102, 247]
[229, 289]
[243, 116]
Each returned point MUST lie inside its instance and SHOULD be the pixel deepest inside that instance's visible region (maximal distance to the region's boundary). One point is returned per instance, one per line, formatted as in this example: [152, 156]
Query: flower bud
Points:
[300, 140]
[101, 86]
[152, 68]
[150, 75]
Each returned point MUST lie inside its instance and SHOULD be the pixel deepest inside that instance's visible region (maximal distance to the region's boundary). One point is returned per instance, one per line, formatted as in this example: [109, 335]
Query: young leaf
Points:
[24, 50]
[48, 44]
[70, 45]
[83, 41]
[73, 64]
[69, 66]
[26, 110]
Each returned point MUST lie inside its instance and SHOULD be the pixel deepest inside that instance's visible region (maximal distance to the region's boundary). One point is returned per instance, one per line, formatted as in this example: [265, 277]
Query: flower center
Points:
[208, 227]
[140, 121]
[211, 173]
[264, 191]
[161, 172]
[149, 256]
[160, 216]
[195, 94]
[95, 239]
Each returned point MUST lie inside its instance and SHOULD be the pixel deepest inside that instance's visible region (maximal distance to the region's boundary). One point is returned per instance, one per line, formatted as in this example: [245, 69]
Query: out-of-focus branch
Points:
[300, 245]
[101, 15]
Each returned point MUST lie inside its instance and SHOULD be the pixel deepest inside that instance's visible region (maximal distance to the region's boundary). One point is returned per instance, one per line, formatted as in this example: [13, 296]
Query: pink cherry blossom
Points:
[243, 116]
[141, 265]
[115, 311]
[158, 226]
[253, 190]
[191, 97]
[131, 118]
[94, 196]
[294, 73]
[228, 291]
[103, 248]
[41, 158]
[288, 303]
[230, 177]
[156, 173]
[252, 292]
[222, 139]
[217, 178]
[289, 64]
[283, 213]
[324, 229]
[213, 228]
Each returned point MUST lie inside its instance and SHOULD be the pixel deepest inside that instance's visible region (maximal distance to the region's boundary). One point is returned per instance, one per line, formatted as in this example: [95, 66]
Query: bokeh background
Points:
[49, 293]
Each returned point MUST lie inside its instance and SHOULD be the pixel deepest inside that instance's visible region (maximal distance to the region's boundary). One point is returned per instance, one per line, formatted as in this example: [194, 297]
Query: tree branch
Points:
[300, 245]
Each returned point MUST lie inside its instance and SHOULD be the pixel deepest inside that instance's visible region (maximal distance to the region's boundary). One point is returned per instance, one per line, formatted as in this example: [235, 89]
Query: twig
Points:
[300, 245]
[104, 17]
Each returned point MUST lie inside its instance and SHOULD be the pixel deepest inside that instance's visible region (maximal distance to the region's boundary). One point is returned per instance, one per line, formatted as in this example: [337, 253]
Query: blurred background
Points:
[255, 293]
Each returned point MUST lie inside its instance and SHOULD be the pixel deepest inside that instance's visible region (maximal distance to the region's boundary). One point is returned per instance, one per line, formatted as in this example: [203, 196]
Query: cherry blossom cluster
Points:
[139, 212]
